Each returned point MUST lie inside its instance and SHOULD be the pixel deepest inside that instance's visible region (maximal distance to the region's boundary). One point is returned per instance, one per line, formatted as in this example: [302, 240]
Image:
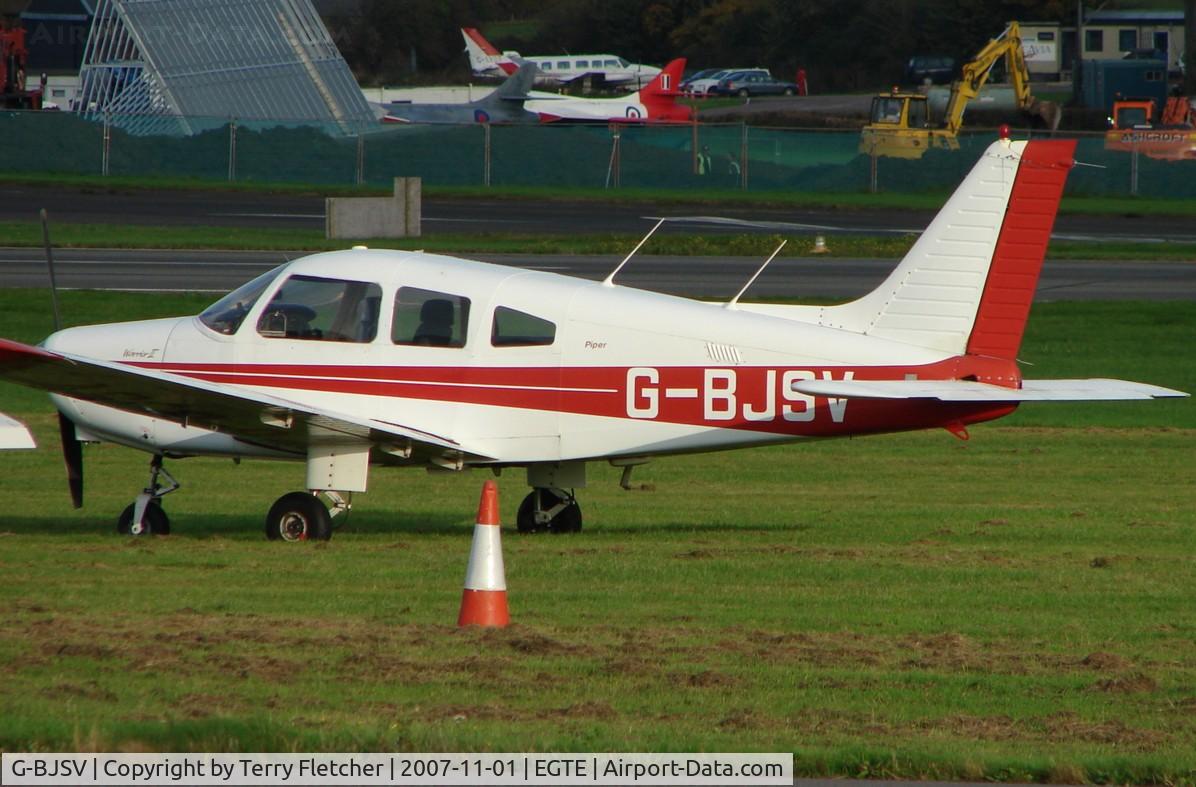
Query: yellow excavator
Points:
[900, 125]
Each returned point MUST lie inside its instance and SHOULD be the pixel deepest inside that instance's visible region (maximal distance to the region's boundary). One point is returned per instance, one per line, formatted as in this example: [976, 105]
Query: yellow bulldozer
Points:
[900, 126]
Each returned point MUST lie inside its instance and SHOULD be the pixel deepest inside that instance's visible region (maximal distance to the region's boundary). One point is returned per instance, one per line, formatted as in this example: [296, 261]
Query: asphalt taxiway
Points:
[166, 207]
[706, 277]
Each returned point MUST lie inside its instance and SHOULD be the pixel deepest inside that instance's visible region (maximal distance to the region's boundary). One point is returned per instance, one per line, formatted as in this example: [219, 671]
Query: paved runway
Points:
[232, 209]
[709, 277]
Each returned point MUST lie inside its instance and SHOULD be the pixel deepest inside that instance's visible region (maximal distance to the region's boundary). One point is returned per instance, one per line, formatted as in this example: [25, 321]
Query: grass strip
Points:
[819, 599]
[930, 200]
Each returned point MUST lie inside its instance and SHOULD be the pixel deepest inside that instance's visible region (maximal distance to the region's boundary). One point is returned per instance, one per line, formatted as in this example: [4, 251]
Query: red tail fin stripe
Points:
[1021, 247]
[478, 39]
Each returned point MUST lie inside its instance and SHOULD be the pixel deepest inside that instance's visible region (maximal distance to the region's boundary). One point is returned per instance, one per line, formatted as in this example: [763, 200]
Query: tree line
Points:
[843, 45]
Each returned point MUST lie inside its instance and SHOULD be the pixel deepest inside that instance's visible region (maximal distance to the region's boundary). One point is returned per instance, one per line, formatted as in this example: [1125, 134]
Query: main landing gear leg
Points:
[549, 509]
[144, 516]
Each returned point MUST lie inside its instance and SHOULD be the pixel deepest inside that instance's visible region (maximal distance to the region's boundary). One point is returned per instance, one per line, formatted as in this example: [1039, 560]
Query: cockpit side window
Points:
[226, 315]
[318, 309]
[512, 328]
[430, 319]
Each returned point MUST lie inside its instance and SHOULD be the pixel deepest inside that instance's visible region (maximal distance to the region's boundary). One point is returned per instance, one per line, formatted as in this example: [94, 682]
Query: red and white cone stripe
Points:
[484, 602]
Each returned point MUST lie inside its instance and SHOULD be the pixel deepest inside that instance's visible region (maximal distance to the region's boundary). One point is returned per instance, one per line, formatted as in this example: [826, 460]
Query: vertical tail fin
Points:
[966, 285]
[484, 59]
[516, 86]
[659, 96]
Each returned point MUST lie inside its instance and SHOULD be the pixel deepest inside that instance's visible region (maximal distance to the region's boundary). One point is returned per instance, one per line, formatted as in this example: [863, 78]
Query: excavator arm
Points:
[1007, 47]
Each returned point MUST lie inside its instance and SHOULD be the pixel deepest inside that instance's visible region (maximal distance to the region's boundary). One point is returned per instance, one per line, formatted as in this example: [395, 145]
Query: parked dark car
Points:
[752, 83]
[939, 69]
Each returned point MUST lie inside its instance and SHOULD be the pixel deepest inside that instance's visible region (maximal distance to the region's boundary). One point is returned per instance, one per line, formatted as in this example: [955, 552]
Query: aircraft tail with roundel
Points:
[659, 96]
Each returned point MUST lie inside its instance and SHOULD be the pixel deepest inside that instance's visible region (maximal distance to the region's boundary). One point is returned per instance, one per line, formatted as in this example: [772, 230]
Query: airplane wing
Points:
[972, 391]
[14, 435]
[256, 418]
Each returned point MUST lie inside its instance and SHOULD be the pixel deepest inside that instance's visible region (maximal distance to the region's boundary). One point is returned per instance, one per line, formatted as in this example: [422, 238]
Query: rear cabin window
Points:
[512, 328]
[427, 318]
[328, 310]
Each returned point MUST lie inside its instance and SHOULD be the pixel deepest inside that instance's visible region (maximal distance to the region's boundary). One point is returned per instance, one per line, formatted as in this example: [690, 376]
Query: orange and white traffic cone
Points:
[484, 602]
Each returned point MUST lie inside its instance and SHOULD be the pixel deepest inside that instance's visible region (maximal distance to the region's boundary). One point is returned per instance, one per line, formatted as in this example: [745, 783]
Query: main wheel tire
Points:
[789, 91]
[298, 516]
[567, 521]
[156, 523]
[743, 92]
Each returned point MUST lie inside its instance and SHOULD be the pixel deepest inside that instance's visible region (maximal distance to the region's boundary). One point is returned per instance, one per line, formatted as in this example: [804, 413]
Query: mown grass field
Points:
[929, 200]
[1016, 607]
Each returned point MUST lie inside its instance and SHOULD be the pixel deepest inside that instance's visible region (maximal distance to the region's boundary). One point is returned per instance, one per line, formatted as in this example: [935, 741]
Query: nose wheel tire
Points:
[154, 523]
[298, 516]
[539, 516]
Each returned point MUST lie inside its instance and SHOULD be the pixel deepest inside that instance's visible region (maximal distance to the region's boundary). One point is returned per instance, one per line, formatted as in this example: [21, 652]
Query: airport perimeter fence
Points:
[704, 156]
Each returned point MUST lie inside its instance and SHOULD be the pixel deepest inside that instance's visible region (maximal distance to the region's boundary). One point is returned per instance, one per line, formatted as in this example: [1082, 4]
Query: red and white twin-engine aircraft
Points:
[356, 358]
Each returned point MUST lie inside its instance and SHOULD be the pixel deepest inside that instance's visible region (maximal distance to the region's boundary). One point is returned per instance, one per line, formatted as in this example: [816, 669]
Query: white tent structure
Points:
[180, 66]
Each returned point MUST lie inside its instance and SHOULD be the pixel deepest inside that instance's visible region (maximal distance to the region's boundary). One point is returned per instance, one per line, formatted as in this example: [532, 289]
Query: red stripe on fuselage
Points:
[745, 398]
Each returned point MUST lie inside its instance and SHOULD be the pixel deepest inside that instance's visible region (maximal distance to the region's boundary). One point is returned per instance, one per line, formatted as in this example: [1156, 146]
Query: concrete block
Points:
[356, 218]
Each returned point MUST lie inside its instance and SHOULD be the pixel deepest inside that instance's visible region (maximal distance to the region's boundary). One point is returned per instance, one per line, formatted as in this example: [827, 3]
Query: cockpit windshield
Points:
[225, 315]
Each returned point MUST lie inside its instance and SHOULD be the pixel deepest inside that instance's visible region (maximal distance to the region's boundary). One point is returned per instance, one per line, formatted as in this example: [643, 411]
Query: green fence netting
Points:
[709, 156]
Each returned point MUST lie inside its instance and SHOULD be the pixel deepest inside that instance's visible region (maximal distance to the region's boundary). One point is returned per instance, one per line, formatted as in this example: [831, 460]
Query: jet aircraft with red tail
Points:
[656, 102]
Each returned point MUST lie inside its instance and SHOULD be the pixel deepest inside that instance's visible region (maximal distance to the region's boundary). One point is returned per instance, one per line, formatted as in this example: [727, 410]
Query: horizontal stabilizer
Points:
[14, 436]
[1094, 390]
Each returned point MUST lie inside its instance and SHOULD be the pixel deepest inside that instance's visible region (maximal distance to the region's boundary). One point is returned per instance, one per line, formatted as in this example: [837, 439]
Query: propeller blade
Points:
[72, 455]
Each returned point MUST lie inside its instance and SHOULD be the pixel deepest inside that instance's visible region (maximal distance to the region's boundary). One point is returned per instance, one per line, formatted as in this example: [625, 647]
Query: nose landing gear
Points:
[144, 516]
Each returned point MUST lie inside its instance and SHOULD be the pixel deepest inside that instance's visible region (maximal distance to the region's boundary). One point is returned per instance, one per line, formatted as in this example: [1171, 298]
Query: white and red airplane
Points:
[355, 358]
[656, 102]
[487, 61]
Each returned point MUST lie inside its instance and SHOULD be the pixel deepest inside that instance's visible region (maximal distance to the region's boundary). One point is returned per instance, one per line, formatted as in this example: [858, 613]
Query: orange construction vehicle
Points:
[1133, 127]
[13, 54]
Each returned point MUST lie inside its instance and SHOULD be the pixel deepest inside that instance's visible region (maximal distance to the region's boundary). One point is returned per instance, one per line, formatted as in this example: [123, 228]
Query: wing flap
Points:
[257, 418]
[1094, 390]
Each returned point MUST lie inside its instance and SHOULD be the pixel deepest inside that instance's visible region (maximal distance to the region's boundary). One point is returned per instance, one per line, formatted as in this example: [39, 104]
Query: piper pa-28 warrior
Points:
[355, 358]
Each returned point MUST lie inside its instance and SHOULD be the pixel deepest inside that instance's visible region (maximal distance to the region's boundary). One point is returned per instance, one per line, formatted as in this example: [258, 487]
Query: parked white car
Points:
[700, 87]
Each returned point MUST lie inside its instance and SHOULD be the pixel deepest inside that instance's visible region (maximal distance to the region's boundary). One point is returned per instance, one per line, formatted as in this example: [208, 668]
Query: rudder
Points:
[1021, 248]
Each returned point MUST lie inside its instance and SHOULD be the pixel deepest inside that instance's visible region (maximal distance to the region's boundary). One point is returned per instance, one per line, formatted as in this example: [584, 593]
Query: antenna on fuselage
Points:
[609, 281]
[731, 303]
[50, 266]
